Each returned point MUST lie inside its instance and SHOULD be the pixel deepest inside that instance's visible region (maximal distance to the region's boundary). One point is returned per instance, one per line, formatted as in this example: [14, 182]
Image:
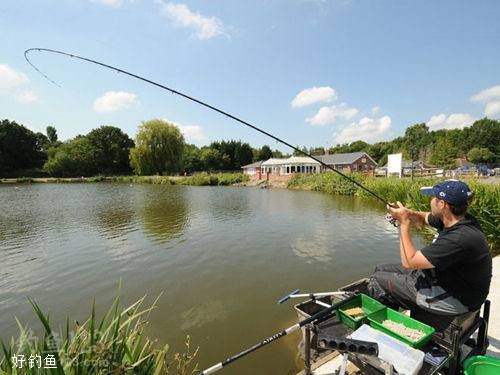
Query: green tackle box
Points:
[482, 365]
[368, 304]
[376, 319]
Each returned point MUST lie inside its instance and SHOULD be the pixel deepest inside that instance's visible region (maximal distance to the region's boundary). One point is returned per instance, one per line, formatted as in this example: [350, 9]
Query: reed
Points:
[485, 206]
[116, 344]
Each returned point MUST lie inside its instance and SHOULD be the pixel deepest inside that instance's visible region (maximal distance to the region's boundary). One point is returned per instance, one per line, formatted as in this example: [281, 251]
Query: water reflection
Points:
[164, 213]
[115, 221]
[198, 316]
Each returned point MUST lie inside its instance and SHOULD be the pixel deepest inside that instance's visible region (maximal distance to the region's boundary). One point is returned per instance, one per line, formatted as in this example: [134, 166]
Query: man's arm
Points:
[410, 256]
[419, 218]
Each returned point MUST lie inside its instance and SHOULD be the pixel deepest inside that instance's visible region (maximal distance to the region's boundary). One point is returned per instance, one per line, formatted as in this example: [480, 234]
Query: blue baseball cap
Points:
[452, 191]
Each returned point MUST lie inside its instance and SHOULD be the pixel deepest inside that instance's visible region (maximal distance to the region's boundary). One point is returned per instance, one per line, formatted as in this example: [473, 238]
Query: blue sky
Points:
[314, 72]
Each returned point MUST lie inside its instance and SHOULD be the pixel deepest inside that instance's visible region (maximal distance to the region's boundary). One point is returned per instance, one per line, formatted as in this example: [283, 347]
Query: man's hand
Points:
[401, 213]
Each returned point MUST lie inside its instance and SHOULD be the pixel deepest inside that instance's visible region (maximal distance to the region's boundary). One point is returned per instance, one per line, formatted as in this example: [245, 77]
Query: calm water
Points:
[221, 256]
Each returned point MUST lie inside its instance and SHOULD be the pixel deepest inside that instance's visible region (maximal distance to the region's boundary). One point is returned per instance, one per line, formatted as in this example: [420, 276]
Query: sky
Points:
[313, 72]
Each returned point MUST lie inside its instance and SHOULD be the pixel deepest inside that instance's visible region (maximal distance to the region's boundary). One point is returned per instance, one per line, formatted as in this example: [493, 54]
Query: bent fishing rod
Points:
[173, 91]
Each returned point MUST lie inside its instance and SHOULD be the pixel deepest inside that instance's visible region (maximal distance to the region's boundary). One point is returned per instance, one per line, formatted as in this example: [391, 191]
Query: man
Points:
[452, 275]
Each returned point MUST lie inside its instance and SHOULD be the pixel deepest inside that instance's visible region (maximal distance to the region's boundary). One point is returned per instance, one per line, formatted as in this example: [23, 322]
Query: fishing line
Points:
[173, 91]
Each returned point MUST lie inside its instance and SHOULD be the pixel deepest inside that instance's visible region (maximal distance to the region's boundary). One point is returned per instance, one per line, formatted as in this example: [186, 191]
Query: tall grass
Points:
[485, 205]
[116, 344]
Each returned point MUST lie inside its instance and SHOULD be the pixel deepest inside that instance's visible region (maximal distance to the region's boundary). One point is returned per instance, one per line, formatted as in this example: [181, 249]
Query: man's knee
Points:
[389, 267]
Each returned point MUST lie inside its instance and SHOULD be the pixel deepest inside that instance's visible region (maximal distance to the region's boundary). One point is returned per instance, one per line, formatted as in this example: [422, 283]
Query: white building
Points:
[294, 164]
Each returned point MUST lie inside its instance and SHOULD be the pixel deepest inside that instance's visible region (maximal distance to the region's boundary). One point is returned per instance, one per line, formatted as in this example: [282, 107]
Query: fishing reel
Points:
[392, 220]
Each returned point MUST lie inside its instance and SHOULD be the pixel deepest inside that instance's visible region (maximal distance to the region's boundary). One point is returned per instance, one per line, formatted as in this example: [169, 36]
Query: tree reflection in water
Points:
[164, 212]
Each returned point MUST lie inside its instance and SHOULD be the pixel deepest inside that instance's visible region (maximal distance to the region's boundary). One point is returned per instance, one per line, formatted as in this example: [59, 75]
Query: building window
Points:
[363, 160]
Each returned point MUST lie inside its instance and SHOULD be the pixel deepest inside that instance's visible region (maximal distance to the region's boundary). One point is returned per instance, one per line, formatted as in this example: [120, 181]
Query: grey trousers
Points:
[396, 286]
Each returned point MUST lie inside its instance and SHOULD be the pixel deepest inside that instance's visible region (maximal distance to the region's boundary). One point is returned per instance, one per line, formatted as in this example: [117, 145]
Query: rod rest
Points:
[344, 345]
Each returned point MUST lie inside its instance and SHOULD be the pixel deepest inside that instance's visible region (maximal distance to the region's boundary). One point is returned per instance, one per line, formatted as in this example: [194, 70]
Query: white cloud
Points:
[113, 101]
[367, 129]
[492, 109]
[26, 97]
[314, 95]
[10, 79]
[182, 16]
[487, 94]
[328, 115]
[192, 133]
[453, 121]
[375, 110]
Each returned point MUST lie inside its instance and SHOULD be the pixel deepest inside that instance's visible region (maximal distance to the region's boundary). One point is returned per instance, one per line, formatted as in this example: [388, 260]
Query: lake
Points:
[222, 256]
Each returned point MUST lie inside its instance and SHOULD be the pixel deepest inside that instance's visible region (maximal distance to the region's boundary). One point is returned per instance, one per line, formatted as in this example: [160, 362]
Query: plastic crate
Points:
[369, 306]
[377, 319]
[482, 365]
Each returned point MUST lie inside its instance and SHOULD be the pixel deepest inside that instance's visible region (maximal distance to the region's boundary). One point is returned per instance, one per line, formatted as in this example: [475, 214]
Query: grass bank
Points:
[116, 344]
[197, 179]
[485, 205]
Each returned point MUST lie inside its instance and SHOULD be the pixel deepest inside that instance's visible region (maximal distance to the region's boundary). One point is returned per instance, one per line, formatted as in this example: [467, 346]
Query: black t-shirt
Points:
[461, 259]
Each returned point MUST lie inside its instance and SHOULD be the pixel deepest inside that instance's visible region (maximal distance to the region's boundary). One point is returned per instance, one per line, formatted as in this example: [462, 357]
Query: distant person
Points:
[452, 275]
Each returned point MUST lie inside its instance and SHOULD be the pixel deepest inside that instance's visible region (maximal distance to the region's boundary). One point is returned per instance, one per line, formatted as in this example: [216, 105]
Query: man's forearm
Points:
[407, 249]
[418, 217]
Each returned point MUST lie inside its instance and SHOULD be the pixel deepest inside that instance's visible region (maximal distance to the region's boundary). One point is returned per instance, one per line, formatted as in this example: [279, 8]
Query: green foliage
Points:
[191, 159]
[416, 138]
[51, 135]
[111, 149]
[485, 205]
[20, 148]
[480, 155]
[115, 344]
[444, 153]
[158, 150]
[73, 158]
[265, 153]
[233, 154]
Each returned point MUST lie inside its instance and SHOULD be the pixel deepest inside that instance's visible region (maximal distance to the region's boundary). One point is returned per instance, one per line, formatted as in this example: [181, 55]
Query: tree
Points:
[316, 151]
[20, 148]
[444, 153]
[478, 155]
[234, 154]
[111, 147]
[415, 140]
[265, 153]
[212, 159]
[277, 154]
[51, 134]
[158, 148]
[357, 146]
[73, 158]
[191, 159]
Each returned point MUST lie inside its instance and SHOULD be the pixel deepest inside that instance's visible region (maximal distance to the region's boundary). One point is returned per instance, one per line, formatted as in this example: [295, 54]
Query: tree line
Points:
[160, 148]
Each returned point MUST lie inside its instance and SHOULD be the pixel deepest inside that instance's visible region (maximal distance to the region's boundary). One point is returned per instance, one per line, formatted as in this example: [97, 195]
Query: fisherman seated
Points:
[449, 277]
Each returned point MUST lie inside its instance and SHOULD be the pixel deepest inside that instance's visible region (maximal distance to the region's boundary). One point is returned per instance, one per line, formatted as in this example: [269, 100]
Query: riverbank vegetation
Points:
[159, 147]
[197, 179]
[115, 344]
[485, 205]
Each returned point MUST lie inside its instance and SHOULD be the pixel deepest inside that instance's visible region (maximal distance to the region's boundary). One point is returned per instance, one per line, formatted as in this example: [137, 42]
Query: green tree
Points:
[277, 154]
[51, 134]
[191, 159]
[73, 158]
[212, 159]
[415, 140]
[444, 153]
[20, 148]
[111, 147]
[158, 148]
[357, 146]
[317, 151]
[480, 155]
[265, 153]
[234, 154]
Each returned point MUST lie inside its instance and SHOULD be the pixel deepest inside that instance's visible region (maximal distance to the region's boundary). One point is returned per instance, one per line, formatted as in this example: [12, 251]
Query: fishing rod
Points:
[196, 101]
[276, 336]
